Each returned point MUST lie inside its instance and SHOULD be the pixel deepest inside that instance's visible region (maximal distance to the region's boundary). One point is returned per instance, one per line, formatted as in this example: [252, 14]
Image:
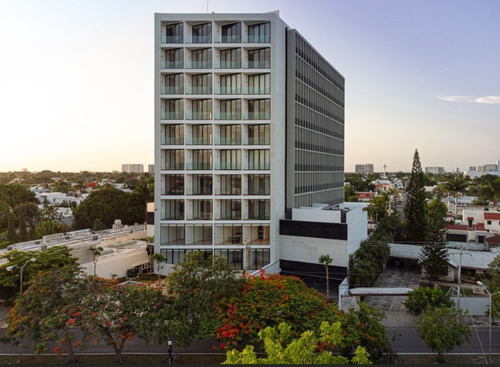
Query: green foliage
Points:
[48, 227]
[205, 281]
[434, 259]
[108, 204]
[490, 189]
[282, 348]
[11, 231]
[442, 329]
[350, 193]
[436, 221]
[158, 260]
[326, 260]
[49, 259]
[378, 207]
[391, 227]
[15, 194]
[415, 209]
[419, 299]
[455, 185]
[493, 283]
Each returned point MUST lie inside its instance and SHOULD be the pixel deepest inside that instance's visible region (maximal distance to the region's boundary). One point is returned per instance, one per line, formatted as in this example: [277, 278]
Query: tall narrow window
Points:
[259, 109]
[174, 185]
[258, 135]
[174, 209]
[173, 84]
[230, 209]
[231, 33]
[202, 109]
[259, 209]
[259, 185]
[259, 84]
[230, 109]
[202, 184]
[202, 209]
[173, 59]
[259, 33]
[202, 33]
[202, 159]
[230, 84]
[174, 159]
[230, 59]
[259, 59]
[174, 109]
[258, 159]
[173, 33]
[201, 84]
[230, 135]
[202, 134]
[230, 185]
[202, 59]
[174, 135]
[230, 159]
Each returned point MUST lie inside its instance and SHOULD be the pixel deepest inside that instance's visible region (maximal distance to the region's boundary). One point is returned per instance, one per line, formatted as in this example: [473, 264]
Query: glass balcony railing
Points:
[202, 216]
[260, 216]
[198, 166]
[259, 166]
[169, 166]
[231, 216]
[201, 116]
[202, 39]
[230, 116]
[225, 90]
[231, 39]
[265, 90]
[172, 39]
[199, 90]
[201, 141]
[258, 141]
[178, 64]
[229, 141]
[259, 115]
[259, 39]
[171, 90]
[259, 64]
[173, 141]
[198, 64]
[228, 166]
[230, 64]
[172, 115]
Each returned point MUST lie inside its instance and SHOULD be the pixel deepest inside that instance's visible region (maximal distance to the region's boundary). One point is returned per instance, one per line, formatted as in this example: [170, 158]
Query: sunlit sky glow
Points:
[76, 78]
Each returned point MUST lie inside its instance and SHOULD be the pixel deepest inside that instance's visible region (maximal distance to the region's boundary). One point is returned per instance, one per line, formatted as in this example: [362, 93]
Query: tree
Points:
[158, 260]
[434, 259]
[326, 260]
[419, 299]
[415, 209]
[455, 185]
[52, 258]
[436, 221]
[378, 208]
[493, 283]
[442, 329]
[491, 190]
[49, 311]
[282, 348]
[144, 189]
[11, 232]
[96, 252]
[206, 281]
[108, 204]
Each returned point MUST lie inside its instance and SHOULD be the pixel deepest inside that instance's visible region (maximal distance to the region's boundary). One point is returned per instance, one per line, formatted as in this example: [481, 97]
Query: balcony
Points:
[235, 38]
[259, 115]
[172, 39]
[198, 64]
[259, 39]
[172, 115]
[198, 90]
[266, 64]
[177, 64]
[198, 166]
[171, 90]
[202, 39]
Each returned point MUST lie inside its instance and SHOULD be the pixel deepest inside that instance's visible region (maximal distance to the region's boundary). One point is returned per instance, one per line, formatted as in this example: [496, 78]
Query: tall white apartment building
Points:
[133, 168]
[249, 124]
[364, 169]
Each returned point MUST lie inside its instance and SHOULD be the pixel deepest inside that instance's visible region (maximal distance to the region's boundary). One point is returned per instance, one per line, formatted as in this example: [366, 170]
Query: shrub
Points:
[421, 298]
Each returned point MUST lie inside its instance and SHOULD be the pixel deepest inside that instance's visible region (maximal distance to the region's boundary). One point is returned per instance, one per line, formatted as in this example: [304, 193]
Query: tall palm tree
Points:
[456, 185]
[491, 191]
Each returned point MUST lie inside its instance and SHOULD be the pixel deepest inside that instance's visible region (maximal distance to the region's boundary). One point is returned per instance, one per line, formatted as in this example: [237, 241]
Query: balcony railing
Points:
[202, 39]
[199, 64]
[201, 116]
[230, 64]
[259, 64]
[259, 115]
[198, 166]
[265, 90]
[259, 166]
[230, 116]
[202, 216]
[171, 90]
[228, 166]
[172, 115]
[259, 39]
[225, 90]
[172, 39]
[200, 141]
[229, 141]
[173, 166]
[231, 39]
[199, 90]
[172, 141]
[178, 64]
[258, 141]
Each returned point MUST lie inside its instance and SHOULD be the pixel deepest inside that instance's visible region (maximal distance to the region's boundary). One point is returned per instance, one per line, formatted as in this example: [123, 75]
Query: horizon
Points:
[77, 79]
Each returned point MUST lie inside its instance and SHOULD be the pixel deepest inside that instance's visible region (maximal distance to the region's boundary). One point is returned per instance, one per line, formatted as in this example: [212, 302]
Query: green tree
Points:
[144, 190]
[15, 194]
[442, 329]
[207, 281]
[158, 261]
[107, 204]
[378, 208]
[434, 259]
[326, 260]
[436, 221]
[492, 281]
[282, 348]
[48, 227]
[419, 299]
[415, 209]
[490, 190]
[52, 258]
[455, 185]
[96, 252]
[11, 232]
[350, 193]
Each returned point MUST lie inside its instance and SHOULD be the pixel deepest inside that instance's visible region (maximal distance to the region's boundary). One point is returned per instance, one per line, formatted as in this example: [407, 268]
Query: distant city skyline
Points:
[77, 78]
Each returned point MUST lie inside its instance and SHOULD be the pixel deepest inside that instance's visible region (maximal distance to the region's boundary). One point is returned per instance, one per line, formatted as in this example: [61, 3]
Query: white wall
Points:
[117, 264]
[316, 215]
[308, 249]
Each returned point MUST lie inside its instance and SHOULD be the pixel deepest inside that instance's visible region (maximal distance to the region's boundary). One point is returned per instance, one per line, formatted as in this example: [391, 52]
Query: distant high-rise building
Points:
[434, 170]
[249, 125]
[133, 168]
[151, 168]
[364, 169]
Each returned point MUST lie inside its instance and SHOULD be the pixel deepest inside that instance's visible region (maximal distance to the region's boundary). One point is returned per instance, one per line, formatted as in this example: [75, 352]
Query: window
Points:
[202, 159]
[230, 159]
[202, 134]
[202, 184]
[488, 222]
[259, 185]
[173, 84]
[174, 134]
[234, 257]
[201, 84]
[259, 59]
[258, 159]
[202, 109]
[231, 33]
[174, 159]
[230, 209]
[258, 258]
[174, 185]
[202, 59]
[230, 135]
[173, 59]
[230, 109]
[258, 135]
[230, 185]
[174, 209]
[259, 209]
[230, 59]
[259, 109]
[259, 33]
[174, 109]
[199, 234]
[173, 234]
[259, 84]
[230, 84]
[173, 33]
[202, 209]
[202, 33]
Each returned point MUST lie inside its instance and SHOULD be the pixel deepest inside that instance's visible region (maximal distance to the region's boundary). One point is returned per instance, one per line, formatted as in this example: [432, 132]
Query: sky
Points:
[76, 78]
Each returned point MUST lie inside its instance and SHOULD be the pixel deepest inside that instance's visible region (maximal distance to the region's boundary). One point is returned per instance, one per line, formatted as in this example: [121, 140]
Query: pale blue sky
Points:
[76, 78]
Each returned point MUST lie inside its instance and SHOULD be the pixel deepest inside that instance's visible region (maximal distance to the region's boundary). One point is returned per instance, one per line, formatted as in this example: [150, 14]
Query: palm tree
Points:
[326, 260]
[491, 191]
[456, 185]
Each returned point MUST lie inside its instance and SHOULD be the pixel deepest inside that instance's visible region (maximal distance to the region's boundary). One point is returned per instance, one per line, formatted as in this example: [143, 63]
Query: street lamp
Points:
[10, 268]
[491, 305]
[170, 344]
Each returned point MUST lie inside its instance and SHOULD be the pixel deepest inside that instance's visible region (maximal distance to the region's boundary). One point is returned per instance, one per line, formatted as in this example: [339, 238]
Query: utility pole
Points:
[459, 276]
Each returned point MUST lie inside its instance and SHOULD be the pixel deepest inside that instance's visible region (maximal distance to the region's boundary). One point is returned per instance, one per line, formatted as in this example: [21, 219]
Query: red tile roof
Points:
[495, 240]
[494, 216]
[465, 227]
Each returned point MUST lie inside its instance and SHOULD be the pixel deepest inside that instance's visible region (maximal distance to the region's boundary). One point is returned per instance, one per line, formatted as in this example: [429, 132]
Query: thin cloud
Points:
[481, 100]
